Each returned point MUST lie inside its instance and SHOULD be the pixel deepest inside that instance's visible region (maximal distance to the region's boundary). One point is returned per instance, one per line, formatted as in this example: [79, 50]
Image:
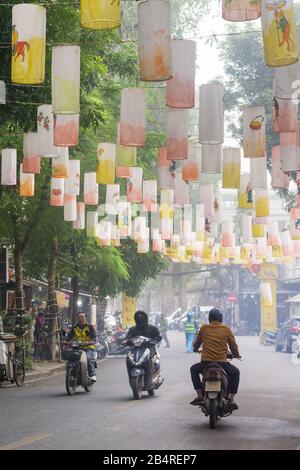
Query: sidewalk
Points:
[42, 369]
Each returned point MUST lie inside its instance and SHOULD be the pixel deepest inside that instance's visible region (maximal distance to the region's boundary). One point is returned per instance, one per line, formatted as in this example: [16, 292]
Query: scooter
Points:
[77, 368]
[140, 364]
[101, 347]
[268, 338]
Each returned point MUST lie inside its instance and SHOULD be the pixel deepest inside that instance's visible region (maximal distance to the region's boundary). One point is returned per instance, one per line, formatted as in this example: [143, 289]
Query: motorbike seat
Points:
[214, 365]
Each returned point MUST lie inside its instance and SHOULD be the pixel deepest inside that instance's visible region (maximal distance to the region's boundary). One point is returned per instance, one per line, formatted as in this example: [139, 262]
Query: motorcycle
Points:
[116, 344]
[77, 368]
[101, 347]
[268, 338]
[215, 384]
[138, 359]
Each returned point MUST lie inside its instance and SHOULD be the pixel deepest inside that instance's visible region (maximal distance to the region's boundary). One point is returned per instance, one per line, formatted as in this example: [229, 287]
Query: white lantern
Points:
[246, 196]
[150, 195]
[254, 132]
[211, 114]
[191, 166]
[70, 208]
[207, 197]
[295, 223]
[45, 129]
[31, 159]
[166, 170]
[79, 223]
[104, 233]
[181, 88]
[211, 159]
[133, 117]
[26, 183]
[90, 189]
[287, 244]
[9, 167]
[66, 79]
[289, 151]
[112, 198]
[154, 39]
[66, 130]
[247, 228]
[279, 178]
[124, 219]
[72, 183]
[60, 164]
[91, 224]
[57, 192]
[181, 190]
[177, 134]
[258, 173]
[134, 186]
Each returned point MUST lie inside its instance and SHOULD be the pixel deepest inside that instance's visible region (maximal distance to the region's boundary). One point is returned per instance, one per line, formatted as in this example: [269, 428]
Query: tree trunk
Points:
[19, 289]
[75, 289]
[52, 302]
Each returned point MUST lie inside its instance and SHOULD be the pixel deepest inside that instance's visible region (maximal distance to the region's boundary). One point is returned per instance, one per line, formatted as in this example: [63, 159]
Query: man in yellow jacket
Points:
[215, 339]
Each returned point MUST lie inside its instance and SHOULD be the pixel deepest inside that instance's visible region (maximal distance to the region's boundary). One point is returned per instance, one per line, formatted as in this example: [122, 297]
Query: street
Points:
[42, 416]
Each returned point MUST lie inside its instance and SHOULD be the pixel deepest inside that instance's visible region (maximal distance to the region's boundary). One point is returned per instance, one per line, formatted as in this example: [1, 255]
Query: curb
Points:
[32, 376]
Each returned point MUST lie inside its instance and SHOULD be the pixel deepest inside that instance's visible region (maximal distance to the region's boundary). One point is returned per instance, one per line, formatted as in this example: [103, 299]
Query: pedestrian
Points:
[163, 322]
[190, 331]
[37, 334]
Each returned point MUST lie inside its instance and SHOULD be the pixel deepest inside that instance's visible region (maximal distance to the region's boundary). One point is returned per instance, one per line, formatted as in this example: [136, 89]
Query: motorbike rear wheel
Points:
[137, 387]
[212, 413]
[71, 380]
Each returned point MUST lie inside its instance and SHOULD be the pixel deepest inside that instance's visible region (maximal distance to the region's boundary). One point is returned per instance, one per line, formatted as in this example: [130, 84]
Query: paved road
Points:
[42, 416]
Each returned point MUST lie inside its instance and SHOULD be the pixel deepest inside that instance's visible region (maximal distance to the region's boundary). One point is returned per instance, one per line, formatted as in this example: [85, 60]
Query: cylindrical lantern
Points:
[31, 160]
[124, 219]
[70, 208]
[57, 192]
[90, 189]
[133, 117]
[79, 223]
[134, 186]
[285, 78]
[66, 130]
[154, 40]
[26, 183]
[191, 166]
[279, 178]
[181, 88]
[123, 172]
[254, 132]
[211, 114]
[227, 237]
[106, 165]
[231, 168]
[246, 196]
[150, 195]
[181, 190]
[246, 251]
[177, 134]
[289, 151]
[100, 14]
[200, 222]
[258, 173]
[279, 32]
[9, 167]
[112, 199]
[258, 230]
[104, 233]
[66, 79]
[126, 156]
[207, 197]
[261, 248]
[273, 234]
[139, 228]
[240, 10]
[45, 129]
[295, 223]
[287, 244]
[296, 248]
[166, 170]
[247, 228]
[72, 183]
[28, 44]
[262, 206]
[285, 115]
[211, 159]
[60, 164]
[91, 224]
[266, 298]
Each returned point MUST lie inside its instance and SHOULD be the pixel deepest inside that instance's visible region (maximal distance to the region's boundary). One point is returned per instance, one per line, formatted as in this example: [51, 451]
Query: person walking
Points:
[163, 322]
[190, 331]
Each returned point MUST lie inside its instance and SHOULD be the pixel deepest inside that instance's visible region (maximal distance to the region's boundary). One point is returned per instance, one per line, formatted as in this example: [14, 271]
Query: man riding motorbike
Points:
[215, 338]
[85, 333]
[143, 328]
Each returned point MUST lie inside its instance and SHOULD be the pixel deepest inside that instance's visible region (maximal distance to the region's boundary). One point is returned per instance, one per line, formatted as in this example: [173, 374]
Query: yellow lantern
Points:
[262, 206]
[66, 79]
[26, 183]
[100, 14]
[106, 166]
[231, 168]
[258, 230]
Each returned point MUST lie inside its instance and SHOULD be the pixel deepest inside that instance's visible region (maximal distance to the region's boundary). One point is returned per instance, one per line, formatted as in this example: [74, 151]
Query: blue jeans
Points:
[90, 358]
[189, 341]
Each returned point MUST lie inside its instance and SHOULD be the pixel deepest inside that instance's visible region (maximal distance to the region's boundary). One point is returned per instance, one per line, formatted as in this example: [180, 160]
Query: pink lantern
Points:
[279, 179]
[79, 223]
[133, 117]
[123, 172]
[289, 151]
[207, 197]
[150, 195]
[31, 160]
[177, 134]
[70, 208]
[181, 190]
[211, 114]
[134, 185]
[227, 237]
[26, 183]
[166, 170]
[9, 167]
[191, 166]
[240, 10]
[66, 130]
[211, 159]
[57, 192]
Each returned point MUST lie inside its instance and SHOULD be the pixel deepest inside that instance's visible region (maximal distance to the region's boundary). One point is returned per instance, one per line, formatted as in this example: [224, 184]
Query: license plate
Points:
[213, 386]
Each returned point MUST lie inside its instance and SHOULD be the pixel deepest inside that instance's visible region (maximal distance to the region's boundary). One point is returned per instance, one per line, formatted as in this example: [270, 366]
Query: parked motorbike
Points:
[215, 384]
[116, 345]
[101, 346]
[138, 359]
[268, 338]
[77, 368]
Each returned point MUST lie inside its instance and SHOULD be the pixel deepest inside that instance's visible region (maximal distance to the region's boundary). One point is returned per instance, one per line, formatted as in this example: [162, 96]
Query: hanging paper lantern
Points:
[191, 166]
[104, 233]
[28, 44]
[156, 241]
[207, 197]
[231, 168]
[258, 173]
[133, 117]
[240, 10]
[9, 167]
[211, 114]
[200, 222]
[279, 179]
[261, 248]
[72, 183]
[266, 298]
[124, 219]
[115, 236]
[262, 206]
[246, 251]
[66, 79]
[166, 170]
[139, 228]
[180, 91]
[285, 77]
[296, 248]
[295, 223]
[45, 130]
[90, 189]
[286, 242]
[298, 189]
[100, 14]
[208, 249]
[279, 32]
[31, 160]
[254, 132]
[70, 208]
[26, 183]
[217, 207]
[246, 195]
[150, 195]
[112, 199]
[289, 151]
[273, 234]
[91, 224]
[227, 237]
[60, 164]
[166, 213]
[126, 156]
[134, 186]
[211, 159]
[57, 192]
[258, 230]
[79, 223]
[181, 189]
[284, 113]
[106, 166]
[66, 130]
[123, 172]
[154, 40]
[177, 134]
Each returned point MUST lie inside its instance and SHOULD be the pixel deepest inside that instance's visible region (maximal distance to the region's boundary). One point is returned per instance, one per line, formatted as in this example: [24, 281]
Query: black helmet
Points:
[141, 318]
[215, 315]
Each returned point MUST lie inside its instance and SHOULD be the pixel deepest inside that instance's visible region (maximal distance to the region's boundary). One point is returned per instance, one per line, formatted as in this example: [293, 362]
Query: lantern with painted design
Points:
[72, 183]
[60, 164]
[66, 79]
[211, 114]
[289, 151]
[124, 219]
[9, 167]
[295, 223]
[150, 195]
[100, 14]
[112, 198]
[191, 166]
[279, 178]
[26, 183]
[57, 192]
[246, 195]
[106, 166]
[31, 159]
[285, 113]
[90, 189]
[166, 170]
[254, 131]
[134, 185]
[79, 223]
[45, 130]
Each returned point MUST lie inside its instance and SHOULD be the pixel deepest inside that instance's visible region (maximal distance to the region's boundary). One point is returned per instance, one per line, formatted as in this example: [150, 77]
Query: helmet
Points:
[215, 315]
[141, 318]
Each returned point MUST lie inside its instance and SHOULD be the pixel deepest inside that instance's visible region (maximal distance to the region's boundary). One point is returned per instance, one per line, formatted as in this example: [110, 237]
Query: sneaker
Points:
[232, 405]
[197, 402]
[93, 378]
